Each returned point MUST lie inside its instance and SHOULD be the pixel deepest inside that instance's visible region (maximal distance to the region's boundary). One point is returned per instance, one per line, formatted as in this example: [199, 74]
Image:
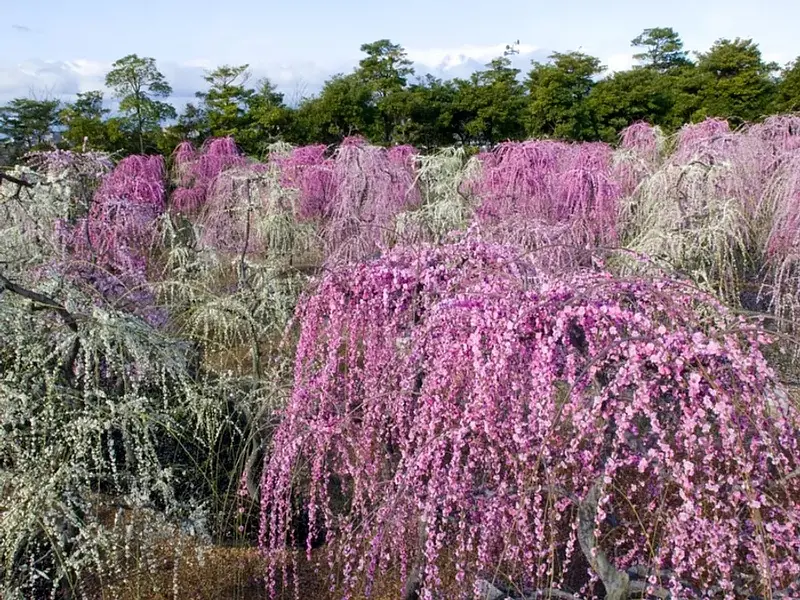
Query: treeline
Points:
[568, 97]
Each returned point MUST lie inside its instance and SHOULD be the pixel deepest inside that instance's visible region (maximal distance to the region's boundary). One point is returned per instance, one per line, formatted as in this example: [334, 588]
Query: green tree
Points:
[27, 124]
[737, 83]
[788, 92]
[84, 122]
[344, 107]
[385, 71]
[226, 101]
[662, 49]
[488, 107]
[559, 93]
[430, 114]
[191, 125]
[268, 119]
[629, 96]
[137, 83]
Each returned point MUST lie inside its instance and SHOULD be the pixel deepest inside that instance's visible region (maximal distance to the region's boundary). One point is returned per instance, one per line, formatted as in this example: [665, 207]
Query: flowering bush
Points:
[196, 171]
[109, 249]
[532, 425]
[555, 197]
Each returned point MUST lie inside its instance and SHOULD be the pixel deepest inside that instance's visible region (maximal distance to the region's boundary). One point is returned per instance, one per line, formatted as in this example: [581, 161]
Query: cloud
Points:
[21, 28]
[38, 78]
[619, 62]
[63, 79]
[445, 59]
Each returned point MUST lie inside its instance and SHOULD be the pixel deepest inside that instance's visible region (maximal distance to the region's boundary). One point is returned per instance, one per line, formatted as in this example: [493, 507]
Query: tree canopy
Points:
[569, 96]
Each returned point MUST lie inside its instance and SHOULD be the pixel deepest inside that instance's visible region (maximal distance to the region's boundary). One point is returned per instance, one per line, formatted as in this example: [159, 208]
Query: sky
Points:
[56, 48]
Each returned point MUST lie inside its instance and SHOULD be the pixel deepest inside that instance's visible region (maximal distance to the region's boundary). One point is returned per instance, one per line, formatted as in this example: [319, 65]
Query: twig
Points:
[616, 582]
[15, 180]
[40, 301]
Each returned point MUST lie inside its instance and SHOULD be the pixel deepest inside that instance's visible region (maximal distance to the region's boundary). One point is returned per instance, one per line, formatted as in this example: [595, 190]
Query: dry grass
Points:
[223, 573]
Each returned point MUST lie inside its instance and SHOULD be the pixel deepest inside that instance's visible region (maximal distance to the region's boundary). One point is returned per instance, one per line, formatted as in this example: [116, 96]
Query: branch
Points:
[40, 301]
[616, 582]
[12, 179]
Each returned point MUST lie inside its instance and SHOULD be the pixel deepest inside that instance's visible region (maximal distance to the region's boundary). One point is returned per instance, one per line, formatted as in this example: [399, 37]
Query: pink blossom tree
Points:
[196, 171]
[356, 195]
[453, 404]
[556, 198]
[110, 248]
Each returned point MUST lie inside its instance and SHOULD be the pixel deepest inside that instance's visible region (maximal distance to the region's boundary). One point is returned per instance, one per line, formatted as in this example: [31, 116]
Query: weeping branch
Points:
[15, 180]
[40, 301]
[616, 582]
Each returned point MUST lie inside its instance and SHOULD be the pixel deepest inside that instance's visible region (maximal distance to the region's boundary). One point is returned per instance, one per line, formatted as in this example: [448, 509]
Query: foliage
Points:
[137, 83]
[739, 84]
[662, 49]
[559, 93]
[627, 97]
[491, 102]
[84, 124]
[469, 408]
[788, 93]
[570, 97]
[385, 70]
[28, 124]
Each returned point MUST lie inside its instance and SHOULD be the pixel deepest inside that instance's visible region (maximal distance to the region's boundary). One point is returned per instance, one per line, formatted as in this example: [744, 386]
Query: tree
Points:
[267, 118]
[84, 121]
[558, 96]
[488, 107]
[737, 84]
[663, 49]
[138, 83]
[630, 96]
[27, 124]
[528, 418]
[225, 102]
[344, 107]
[385, 71]
[430, 114]
[191, 126]
[788, 92]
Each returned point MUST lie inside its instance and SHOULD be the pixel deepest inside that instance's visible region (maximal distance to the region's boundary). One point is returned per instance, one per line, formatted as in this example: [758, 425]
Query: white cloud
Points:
[619, 62]
[63, 79]
[38, 78]
[449, 58]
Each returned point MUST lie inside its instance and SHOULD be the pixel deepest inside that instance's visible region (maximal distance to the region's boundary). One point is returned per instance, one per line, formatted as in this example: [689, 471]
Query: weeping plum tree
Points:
[196, 170]
[640, 152]
[356, 196]
[454, 405]
[718, 209]
[108, 249]
[557, 198]
[122, 434]
[444, 179]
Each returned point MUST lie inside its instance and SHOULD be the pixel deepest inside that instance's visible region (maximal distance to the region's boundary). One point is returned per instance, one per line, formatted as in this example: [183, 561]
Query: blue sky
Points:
[59, 47]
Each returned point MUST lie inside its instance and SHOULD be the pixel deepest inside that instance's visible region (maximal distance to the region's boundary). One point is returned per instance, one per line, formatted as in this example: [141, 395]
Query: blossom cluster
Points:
[459, 391]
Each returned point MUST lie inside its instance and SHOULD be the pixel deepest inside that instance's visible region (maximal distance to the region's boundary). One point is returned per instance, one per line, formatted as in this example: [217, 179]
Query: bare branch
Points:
[15, 180]
[40, 301]
[616, 582]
